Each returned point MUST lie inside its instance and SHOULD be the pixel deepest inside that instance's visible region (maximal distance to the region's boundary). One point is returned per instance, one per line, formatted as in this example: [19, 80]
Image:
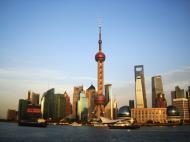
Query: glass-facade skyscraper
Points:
[82, 110]
[158, 97]
[140, 91]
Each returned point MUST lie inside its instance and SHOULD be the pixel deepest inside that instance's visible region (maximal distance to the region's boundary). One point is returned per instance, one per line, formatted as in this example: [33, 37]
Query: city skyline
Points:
[48, 44]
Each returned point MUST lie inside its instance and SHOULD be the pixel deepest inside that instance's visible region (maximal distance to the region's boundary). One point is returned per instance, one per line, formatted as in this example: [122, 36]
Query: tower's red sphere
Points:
[100, 56]
[99, 99]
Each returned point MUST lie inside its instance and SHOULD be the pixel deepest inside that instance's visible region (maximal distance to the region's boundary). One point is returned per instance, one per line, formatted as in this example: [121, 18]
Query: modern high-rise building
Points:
[160, 101]
[182, 105]
[108, 93]
[178, 93]
[82, 110]
[68, 107]
[157, 88]
[90, 94]
[60, 107]
[76, 96]
[99, 99]
[140, 91]
[33, 97]
[110, 103]
[22, 109]
[53, 106]
[48, 104]
[173, 96]
[131, 104]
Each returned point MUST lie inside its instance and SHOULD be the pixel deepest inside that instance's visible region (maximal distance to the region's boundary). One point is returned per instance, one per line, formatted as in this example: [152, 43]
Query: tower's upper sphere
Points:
[100, 56]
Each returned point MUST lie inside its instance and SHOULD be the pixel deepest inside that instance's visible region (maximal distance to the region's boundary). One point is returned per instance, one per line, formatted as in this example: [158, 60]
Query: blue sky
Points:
[46, 44]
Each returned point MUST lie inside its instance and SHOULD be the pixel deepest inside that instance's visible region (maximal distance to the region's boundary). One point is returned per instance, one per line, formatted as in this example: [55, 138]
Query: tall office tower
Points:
[99, 99]
[90, 94]
[109, 102]
[48, 104]
[82, 110]
[180, 93]
[140, 91]
[76, 96]
[60, 107]
[158, 98]
[157, 88]
[22, 109]
[108, 93]
[111, 109]
[33, 97]
[182, 105]
[131, 104]
[173, 96]
[68, 107]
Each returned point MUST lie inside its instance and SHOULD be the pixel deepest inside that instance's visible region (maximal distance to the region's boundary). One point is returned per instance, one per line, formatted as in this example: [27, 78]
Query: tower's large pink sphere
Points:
[100, 56]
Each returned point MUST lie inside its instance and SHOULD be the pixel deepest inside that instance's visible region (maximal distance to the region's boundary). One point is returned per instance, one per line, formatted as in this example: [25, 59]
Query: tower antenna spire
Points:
[100, 39]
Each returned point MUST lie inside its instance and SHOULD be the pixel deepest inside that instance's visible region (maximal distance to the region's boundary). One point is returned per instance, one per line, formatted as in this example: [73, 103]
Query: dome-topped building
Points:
[172, 111]
[124, 111]
[173, 114]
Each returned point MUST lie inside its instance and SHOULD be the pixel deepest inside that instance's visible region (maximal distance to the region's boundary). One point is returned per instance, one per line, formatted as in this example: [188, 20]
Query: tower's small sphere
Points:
[99, 99]
[100, 56]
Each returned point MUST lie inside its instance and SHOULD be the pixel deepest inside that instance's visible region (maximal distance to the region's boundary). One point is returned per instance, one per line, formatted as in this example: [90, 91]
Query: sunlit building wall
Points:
[90, 94]
[108, 92]
[140, 91]
[82, 110]
[33, 97]
[182, 105]
[48, 102]
[60, 107]
[76, 96]
[143, 115]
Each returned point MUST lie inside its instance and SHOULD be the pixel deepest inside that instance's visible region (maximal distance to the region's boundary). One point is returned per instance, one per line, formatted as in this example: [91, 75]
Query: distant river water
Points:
[11, 132]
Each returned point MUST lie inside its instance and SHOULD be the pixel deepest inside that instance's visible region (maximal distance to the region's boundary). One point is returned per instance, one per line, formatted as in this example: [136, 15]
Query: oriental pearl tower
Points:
[99, 99]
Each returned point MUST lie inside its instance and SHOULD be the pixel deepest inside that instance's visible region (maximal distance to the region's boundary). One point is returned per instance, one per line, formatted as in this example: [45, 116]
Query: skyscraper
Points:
[158, 98]
[82, 110]
[108, 92]
[76, 96]
[182, 105]
[68, 107]
[60, 107]
[131, 104]
[48, 104]
[100, 98]
[140, 91]
[33, 98]
[90, 94]
[178, 93]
